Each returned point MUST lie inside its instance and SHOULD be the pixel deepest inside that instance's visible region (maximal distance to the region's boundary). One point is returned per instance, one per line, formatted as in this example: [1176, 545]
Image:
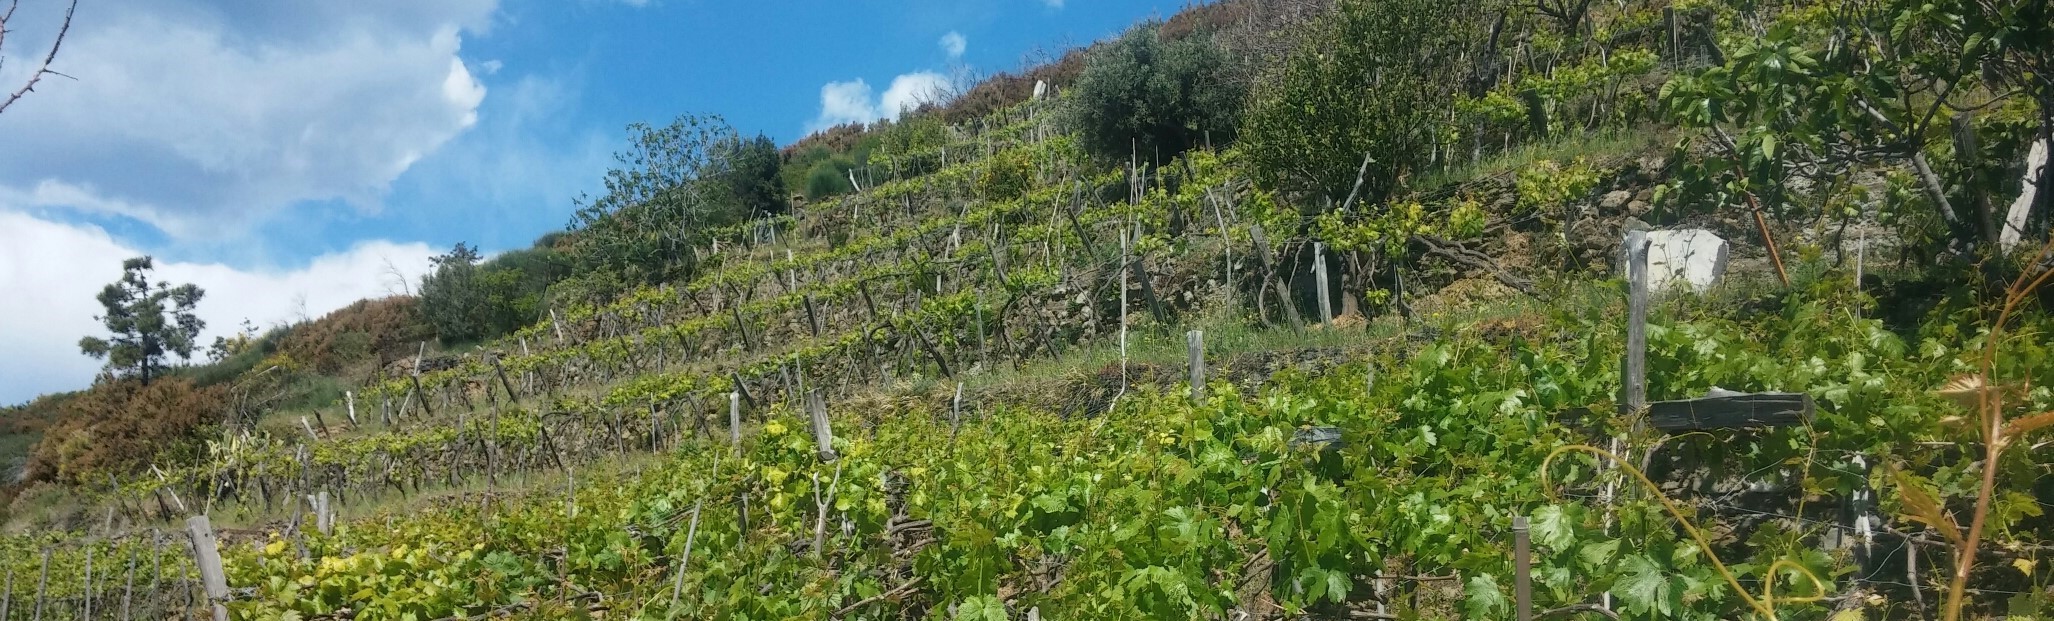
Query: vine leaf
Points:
[1553, 529]
[1645, 586]
[1923, 507]
[1485, 599]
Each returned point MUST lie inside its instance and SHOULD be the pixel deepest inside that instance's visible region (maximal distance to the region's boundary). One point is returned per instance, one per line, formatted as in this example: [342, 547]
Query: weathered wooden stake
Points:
[1675, 41]
[1124, 243]
[1522, 570]
[421, 396]
[128, 588]
[88, 603]
[1319, 276]
[7, 596]
[677, 588]
[310, 429]
[1634, 389]
[349, 399]
[1194, 344]
[734, 419]
[1269, 274]
[43, 584]
[157, 566]
[955, 416]
[324, 515]
[823, 433]
[207, 553]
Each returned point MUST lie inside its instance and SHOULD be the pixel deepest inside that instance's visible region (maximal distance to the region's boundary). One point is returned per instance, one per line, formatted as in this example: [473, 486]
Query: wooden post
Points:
[207, 553]
[677, 588]
[734, 419]
[1861, 246]
[553, 323]
[349, 399]
[1227, 241]
[1522, 570]
[1269, 274]
[955, 414]
[156, 566]
[1633, 398]
[1319, 276]
[310, 429]
[1194, 343]
[324, 516]
[422, 395]
[823, 432]
[1675, 40]
[128, 589]
[1124, 243]
[511, 396]
[88, 593]
[43, 584]
[7, 596]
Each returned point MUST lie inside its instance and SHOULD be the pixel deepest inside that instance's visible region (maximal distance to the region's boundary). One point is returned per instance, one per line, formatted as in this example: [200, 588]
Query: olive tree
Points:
[1373, 78]
[1155, 97]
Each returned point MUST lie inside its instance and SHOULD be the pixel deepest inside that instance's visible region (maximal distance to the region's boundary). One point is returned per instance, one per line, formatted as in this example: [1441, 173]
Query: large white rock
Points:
[1693, 258]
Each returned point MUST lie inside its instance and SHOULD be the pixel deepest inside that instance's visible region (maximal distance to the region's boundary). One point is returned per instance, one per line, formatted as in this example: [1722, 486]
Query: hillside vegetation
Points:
[939, 367]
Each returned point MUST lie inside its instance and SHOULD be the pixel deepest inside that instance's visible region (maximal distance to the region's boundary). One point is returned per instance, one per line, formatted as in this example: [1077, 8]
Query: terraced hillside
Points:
[1003, 377]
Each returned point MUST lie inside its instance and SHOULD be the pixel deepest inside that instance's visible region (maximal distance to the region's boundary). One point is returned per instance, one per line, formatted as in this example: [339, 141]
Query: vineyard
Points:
[1004, 379]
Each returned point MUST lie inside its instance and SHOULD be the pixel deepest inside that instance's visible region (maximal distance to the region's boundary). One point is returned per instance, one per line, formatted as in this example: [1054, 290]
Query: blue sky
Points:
[291, 158]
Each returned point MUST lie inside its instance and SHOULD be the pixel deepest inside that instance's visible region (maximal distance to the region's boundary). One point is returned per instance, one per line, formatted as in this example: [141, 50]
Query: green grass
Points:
[1591, 145]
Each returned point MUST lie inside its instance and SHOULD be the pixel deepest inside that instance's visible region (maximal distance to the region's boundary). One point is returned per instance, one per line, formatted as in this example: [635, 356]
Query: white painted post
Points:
[1319, 275]
[1124, 243]
[324, 517]
[350, 398]
[956, 410]
[1861, 247]
[823, 433]
[734, 419]
[207, 553]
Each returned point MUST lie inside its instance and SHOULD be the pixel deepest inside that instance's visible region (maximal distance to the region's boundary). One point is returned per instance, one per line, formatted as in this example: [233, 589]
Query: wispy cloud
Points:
[40, 331]
[855, 102]
[251, 108]
[954, 44]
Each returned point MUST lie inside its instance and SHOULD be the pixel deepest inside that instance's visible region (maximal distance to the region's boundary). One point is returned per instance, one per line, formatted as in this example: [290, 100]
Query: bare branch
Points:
[47, 58]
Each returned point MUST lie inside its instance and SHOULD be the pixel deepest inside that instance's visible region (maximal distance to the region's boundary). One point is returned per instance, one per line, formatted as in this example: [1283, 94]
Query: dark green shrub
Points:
[1378, 77]
[1156, 98]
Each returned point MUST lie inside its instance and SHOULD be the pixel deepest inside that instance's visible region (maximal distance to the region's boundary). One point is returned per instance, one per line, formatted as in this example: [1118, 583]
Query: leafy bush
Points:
[350, 334]
[667, 189]
[1374, 78]
[120, 425]
[452, 298]
[1155, 96]
[828, 177]
[1005, 176]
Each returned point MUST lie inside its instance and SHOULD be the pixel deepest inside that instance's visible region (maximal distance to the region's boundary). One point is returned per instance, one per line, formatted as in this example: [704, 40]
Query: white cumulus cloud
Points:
[855, 102]
[202, 117]
[53, 270]
[954, 44]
